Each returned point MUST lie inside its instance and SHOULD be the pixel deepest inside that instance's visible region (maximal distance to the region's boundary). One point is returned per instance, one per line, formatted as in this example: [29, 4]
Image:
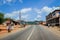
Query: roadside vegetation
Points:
[1, 18]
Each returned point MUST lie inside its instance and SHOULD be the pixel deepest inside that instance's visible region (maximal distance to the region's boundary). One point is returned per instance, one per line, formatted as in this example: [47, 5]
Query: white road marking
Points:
[31, 34]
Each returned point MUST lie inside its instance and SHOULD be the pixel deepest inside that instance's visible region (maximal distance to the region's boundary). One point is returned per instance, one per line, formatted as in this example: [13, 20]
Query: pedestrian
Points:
[9, 25]
[48, 25]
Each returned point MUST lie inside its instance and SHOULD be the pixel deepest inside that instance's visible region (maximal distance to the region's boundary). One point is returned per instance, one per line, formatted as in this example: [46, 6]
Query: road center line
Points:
[31, 34]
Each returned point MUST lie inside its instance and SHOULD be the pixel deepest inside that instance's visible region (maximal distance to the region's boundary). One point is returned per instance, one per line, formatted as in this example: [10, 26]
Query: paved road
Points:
[34, 32]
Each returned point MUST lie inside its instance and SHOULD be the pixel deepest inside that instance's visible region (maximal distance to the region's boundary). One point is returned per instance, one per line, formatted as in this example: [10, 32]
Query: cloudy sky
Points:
[30, 10]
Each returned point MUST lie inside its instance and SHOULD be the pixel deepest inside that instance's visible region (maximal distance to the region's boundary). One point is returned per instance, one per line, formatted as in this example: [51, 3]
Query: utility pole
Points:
[20, 17]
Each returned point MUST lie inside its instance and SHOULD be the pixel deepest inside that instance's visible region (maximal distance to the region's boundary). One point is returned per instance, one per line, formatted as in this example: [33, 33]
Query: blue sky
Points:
[30, 10]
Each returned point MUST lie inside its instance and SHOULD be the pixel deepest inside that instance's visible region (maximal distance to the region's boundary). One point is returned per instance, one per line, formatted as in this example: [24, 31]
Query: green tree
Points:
[1, 18]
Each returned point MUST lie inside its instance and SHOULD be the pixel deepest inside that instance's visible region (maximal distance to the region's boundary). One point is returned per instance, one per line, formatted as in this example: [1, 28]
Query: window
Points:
[54, 14]
[59, 12]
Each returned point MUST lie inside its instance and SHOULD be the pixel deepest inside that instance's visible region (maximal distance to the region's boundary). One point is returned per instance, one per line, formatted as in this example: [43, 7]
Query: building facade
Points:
[53, 18]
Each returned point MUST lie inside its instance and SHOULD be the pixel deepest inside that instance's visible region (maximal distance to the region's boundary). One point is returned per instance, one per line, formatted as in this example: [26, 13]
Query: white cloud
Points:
[9, 0]
[12, 14]
[54, 8]
[24, 10]
[38, 16]
[21, 1]
[17, 18]
[24, 16]
[48, 9]
[35, 19]
[16, 13]
[38, 19]
[45, 9]
[37, 10]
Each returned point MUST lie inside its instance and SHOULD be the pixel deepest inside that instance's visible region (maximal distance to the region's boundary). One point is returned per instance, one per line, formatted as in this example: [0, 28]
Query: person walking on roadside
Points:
[9, 25]
[48, 25]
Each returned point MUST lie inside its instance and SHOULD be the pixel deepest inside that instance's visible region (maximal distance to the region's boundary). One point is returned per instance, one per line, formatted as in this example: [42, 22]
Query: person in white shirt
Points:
[9, 25]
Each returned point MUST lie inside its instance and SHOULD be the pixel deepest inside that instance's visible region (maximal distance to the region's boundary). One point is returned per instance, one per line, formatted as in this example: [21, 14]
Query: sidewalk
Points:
[54, 30]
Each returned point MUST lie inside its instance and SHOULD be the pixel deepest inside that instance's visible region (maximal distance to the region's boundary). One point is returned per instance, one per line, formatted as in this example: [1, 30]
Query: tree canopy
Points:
[1, 18]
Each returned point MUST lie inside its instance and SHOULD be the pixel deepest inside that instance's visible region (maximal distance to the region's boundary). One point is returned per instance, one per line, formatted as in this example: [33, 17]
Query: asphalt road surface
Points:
[34, 32]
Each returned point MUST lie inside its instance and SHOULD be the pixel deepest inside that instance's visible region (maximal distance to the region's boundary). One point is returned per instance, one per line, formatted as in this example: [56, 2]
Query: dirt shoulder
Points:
[54, 29]
[5, 33]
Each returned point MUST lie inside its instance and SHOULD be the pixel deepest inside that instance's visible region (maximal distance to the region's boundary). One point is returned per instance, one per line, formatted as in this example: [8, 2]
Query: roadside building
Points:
[53, 18]
[43, 22]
